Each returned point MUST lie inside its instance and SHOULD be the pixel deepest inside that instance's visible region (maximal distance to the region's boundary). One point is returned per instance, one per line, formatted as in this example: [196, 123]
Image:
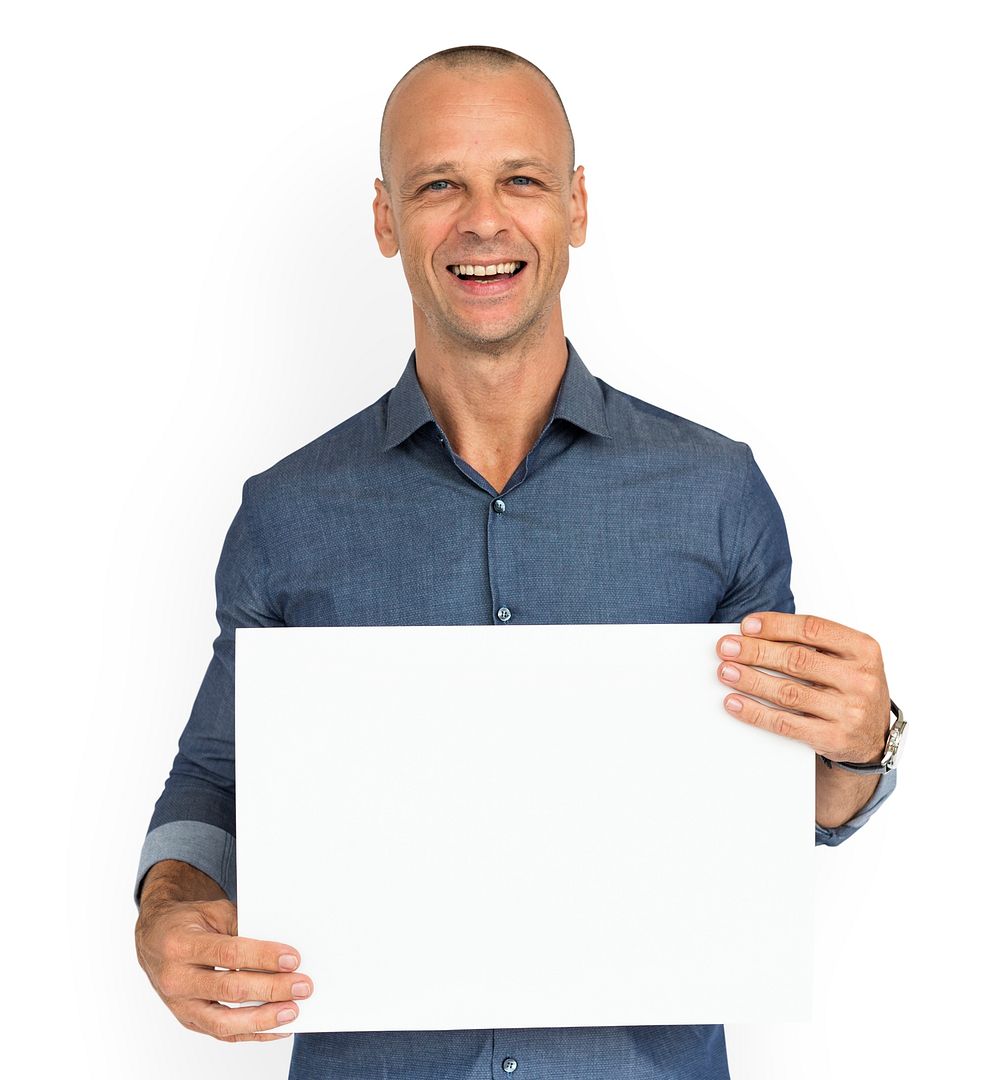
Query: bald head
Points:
[470, 61]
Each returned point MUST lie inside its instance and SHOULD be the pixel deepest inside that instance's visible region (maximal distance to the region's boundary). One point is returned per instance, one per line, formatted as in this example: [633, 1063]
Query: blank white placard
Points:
[519, 826]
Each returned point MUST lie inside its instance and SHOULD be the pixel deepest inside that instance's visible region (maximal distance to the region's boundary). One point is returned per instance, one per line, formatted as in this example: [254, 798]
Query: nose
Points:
[483, 213]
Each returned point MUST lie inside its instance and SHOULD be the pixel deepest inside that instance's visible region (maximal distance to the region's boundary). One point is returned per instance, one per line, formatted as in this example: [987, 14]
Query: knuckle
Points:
[219, 1026]
[171, 982]
[813, 627]
[231, 987]
[175, 946]
[800, 659]
[261, 1022]
[869, 684]
[186, 1020]
[789, 694]
[227, 953]
[869, 652]
[782, 725]
[757, 716]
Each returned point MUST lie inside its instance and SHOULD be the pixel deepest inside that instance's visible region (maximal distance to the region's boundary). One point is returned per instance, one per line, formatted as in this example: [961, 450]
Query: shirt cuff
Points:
[839, 833]
[205, 847]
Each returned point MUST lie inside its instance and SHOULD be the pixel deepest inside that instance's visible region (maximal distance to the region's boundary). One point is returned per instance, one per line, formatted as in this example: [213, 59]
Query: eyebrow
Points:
[452, 166]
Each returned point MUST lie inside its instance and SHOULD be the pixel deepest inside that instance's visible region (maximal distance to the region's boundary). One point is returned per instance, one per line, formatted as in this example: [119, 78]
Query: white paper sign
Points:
[519, 826]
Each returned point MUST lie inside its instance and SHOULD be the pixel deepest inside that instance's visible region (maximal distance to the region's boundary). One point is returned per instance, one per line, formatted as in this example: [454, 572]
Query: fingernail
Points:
[730, 647]
[729, 673]
[288, 963]
[300, 990]
[285, 1015]
[751, 626]
[734, 704]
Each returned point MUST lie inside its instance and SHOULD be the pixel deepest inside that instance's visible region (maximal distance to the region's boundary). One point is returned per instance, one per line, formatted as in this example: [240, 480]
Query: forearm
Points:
[841, 794]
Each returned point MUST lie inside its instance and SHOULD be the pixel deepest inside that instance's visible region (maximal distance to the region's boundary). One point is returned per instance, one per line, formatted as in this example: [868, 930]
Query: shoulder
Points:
[353, 445]
[640, 427]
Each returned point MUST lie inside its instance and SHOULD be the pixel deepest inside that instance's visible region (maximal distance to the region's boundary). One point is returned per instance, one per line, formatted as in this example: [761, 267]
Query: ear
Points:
[385, 227]
[578, 209]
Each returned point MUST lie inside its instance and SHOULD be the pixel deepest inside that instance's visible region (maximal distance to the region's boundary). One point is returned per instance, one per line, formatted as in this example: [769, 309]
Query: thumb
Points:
[220, 915]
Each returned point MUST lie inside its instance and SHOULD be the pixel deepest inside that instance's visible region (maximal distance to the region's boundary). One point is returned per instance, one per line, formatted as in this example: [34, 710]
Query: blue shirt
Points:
[620, 513]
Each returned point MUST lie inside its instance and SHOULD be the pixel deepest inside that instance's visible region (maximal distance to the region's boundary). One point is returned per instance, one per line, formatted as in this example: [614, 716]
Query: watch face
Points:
[897, 736]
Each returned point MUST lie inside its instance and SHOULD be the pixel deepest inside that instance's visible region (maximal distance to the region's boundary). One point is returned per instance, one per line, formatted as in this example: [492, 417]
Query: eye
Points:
[527, 180]
[431, 187]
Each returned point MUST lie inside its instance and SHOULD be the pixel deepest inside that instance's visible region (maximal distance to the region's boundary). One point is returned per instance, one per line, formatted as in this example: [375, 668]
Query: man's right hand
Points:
[180, 941]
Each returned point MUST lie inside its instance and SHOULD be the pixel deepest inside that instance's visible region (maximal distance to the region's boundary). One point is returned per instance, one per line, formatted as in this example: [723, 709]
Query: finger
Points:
[222, 1022]
[786, 693]
[825, 634]
[802, 661]
[804, 728]
[223, 950]
[246, 985]
[257, 1037]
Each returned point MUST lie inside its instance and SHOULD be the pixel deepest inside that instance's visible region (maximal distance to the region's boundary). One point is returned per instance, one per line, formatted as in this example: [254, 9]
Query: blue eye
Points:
[527, 178]
[431, 187]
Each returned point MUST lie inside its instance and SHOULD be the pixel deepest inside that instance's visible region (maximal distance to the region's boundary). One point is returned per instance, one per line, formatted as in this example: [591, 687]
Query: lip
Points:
[488, 286]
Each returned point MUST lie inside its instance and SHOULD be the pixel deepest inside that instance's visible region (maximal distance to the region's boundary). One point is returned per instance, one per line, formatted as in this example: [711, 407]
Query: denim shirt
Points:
[620, 513]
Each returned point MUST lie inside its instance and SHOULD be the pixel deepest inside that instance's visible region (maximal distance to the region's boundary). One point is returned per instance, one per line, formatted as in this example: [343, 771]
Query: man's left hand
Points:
[842, 710]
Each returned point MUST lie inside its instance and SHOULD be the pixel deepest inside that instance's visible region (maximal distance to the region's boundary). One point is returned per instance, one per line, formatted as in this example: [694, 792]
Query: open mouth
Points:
[487, 271]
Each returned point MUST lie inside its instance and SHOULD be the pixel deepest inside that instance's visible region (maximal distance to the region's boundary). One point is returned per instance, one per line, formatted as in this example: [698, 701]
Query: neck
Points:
[492, 405]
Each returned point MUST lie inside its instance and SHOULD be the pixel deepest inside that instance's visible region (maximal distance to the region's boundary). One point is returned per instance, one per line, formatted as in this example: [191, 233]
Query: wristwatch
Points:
[893, 747]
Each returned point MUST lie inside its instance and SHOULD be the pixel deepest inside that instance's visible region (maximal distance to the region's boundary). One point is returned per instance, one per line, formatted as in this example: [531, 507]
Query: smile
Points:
[465, 271]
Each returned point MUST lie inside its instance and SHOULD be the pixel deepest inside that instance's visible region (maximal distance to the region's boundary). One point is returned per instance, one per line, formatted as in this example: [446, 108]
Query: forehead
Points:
[476, 119]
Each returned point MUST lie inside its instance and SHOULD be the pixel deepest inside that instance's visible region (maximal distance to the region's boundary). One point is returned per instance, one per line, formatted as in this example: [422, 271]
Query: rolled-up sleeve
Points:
[760, 580]
[194, 819]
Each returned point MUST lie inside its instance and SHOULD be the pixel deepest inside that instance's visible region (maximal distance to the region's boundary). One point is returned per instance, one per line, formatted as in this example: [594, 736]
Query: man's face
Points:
[479, 176]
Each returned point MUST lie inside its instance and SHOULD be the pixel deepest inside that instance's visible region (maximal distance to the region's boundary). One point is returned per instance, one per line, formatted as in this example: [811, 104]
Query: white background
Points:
[793, 240]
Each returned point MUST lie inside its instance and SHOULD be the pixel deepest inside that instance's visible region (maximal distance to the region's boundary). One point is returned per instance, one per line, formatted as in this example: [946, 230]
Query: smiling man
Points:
[498, 481]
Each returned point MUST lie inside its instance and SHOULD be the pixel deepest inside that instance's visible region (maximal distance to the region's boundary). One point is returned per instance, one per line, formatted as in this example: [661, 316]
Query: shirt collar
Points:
[580, 400]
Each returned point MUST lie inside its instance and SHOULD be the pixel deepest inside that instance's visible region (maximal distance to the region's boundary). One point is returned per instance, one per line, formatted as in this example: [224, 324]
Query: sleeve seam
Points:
[259, 546]
[741, 527]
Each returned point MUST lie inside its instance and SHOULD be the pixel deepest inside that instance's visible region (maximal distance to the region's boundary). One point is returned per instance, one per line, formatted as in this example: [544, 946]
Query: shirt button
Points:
[503, 615]
[509, 1064]
[499, 505]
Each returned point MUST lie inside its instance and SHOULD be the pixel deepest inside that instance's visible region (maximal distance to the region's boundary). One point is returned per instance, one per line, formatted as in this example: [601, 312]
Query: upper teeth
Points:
[485, 271]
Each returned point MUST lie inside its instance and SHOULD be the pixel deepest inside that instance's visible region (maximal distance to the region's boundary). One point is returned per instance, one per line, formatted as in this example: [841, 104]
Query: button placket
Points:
[498, 540]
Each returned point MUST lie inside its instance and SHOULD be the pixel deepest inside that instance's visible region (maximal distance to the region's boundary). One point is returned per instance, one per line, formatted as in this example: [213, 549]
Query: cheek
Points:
[421, 237]
[417, 262]
[550, 238]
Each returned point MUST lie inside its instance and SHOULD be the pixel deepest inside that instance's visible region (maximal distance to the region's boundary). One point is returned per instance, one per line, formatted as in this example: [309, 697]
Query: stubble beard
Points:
[453, 334]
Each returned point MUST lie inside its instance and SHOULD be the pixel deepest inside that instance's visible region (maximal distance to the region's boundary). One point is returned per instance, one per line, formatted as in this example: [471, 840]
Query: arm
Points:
[759, 583]
[839, 795]
[194, 820]
[186, 882]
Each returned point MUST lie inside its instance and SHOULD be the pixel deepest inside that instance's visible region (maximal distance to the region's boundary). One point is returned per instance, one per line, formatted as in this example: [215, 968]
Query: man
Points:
[499, 481]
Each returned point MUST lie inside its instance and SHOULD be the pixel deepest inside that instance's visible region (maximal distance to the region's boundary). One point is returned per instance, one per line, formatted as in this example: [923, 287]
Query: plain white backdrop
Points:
[793, 240]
